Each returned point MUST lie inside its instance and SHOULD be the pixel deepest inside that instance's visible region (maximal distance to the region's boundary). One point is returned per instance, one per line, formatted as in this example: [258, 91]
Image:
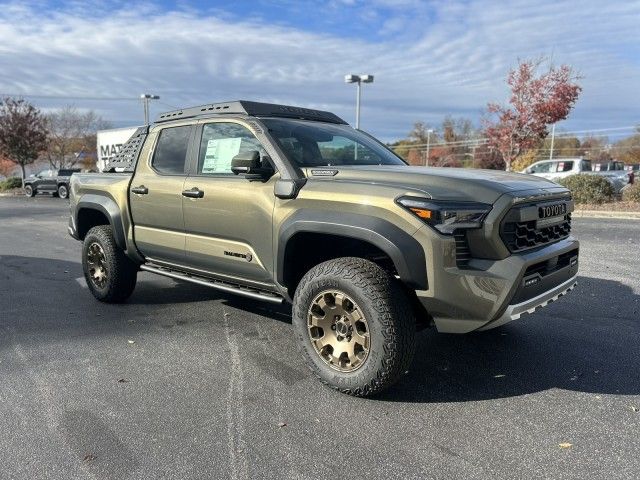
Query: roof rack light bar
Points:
[257, 109]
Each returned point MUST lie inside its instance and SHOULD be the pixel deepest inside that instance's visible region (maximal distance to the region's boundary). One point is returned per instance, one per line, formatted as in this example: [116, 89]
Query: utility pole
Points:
[145, 102]
[553, 135]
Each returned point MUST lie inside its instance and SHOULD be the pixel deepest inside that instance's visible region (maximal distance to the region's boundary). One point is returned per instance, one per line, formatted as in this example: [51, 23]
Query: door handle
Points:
[141, 190]
[194, 192]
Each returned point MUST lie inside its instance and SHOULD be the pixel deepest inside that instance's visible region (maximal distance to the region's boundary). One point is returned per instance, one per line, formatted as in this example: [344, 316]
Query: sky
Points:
[430, 58]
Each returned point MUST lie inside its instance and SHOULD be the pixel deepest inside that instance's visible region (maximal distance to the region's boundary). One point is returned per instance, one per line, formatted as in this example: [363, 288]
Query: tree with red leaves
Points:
[23, 132]
[537, 100]
[6, 167]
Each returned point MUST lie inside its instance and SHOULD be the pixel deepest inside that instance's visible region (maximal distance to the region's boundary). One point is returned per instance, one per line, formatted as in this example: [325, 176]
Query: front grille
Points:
[525, 235]
[463, 253]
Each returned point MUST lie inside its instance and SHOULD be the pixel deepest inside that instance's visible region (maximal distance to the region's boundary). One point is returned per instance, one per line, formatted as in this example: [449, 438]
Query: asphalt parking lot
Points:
[181, 382]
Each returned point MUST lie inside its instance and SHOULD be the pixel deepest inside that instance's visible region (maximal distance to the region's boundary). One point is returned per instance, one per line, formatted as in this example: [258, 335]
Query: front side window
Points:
[314, 144]
[171, 150]
[220, 143]
[544, 167]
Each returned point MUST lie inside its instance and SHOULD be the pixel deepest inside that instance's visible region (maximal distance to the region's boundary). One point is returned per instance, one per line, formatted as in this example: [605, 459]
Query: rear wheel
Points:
[354, 325]
[29, 191]
[110, 274]
[63, 191]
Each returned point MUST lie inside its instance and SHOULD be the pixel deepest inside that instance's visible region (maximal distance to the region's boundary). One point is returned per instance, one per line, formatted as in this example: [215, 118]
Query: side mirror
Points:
[33, 175]
[249, 164]
[529, 170]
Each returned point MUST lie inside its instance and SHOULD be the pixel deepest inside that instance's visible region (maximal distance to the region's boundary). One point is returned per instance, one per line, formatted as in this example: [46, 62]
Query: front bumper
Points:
[490, 293]
[514, 312]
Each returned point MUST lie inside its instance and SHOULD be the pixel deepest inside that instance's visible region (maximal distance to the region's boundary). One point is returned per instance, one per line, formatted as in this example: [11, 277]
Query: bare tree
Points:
[23, 132]
[72, 137]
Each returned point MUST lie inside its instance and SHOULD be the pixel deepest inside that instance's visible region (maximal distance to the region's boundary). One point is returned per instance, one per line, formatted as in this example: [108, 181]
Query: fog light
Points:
[531, 281]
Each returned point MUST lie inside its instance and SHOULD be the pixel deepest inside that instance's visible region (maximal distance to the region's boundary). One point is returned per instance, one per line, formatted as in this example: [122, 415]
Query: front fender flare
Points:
[404, 250]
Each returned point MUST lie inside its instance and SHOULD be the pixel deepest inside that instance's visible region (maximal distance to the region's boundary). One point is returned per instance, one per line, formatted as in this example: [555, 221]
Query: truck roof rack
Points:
[256, 109]
[125, 160]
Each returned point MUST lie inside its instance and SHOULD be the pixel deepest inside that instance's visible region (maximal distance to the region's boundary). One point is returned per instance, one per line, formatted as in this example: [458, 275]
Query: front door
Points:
[155, 194]
[229, 227]
[46, 181]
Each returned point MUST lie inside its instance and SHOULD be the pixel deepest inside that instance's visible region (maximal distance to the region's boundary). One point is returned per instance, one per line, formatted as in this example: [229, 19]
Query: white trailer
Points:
[110, 142]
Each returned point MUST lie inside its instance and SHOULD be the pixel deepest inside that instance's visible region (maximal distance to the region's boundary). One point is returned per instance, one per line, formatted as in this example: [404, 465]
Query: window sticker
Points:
[220, 152]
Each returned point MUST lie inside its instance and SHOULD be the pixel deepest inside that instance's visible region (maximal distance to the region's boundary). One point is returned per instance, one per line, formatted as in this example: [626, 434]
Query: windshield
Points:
[314, 144]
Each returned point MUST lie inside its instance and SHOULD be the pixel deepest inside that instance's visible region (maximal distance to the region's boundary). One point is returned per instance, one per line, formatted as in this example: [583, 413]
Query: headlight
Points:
[447, 216]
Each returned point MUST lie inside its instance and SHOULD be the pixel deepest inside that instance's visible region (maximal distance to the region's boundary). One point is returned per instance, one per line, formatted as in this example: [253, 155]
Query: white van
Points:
[559, 168]
[554, 170]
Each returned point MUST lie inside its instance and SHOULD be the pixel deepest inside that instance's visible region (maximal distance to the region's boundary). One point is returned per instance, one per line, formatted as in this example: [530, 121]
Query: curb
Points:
[605, 214]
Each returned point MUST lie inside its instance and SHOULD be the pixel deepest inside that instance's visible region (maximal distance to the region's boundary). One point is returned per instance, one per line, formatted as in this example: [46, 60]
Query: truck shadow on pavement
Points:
[587, 341]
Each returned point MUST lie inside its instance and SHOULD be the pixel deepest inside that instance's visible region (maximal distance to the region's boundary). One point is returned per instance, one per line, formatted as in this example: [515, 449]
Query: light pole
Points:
[358, 80]
[145, 101]
[429, 132]
[553, 136]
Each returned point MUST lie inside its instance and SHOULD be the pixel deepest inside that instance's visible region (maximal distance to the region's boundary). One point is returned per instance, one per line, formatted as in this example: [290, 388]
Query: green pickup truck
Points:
[287, 204]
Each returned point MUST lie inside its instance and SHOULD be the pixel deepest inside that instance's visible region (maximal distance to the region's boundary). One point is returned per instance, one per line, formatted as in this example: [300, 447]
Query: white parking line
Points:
[82, 282]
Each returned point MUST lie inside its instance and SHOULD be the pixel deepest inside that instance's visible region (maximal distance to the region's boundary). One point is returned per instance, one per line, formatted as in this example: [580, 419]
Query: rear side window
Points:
[585, 166]
[171, 150]
[565, 166]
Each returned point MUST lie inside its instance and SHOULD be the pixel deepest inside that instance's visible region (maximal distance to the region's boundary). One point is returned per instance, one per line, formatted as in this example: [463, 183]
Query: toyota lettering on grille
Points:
[552, 210]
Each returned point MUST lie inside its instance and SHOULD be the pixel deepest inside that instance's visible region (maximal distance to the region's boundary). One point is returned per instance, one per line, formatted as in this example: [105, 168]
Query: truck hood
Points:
[460, 184]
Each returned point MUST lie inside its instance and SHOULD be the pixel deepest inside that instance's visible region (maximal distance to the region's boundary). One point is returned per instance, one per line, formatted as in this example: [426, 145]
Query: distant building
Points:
[109, 143]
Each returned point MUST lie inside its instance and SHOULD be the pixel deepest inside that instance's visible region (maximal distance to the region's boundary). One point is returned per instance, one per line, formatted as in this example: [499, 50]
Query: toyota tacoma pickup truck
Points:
[287, 204]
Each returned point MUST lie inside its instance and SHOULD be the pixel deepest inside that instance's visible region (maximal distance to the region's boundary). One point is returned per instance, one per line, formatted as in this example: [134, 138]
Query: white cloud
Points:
[430, 59]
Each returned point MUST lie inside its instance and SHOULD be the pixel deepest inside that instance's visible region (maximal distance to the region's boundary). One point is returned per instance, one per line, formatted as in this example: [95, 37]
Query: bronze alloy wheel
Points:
[338, 331]
[96, 262]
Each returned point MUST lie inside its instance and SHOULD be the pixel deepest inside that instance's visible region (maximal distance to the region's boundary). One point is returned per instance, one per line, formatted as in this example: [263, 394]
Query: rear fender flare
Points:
[109, 208]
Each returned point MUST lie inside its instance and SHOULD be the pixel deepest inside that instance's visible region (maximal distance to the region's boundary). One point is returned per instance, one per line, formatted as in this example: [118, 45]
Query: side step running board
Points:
[225, 287]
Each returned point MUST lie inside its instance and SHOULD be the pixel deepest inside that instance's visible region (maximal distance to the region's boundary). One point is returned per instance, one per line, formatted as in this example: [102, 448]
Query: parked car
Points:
[286, 204]
[556, 169]
[633, 170]
[55, 182]
[559, 168]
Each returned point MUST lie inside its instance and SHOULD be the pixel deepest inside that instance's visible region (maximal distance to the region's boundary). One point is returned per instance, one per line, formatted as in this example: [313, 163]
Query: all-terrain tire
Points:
[389, 316]
[120, 272]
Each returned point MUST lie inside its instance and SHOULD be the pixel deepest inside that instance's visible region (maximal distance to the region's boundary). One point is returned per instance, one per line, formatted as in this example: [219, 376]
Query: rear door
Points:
[155, 194]
[229, 227]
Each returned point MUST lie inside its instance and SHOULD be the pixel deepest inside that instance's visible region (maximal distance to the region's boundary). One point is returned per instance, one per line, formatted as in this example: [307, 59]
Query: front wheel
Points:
[63, 191]
[29, 191]
[109, 273]
[354, 325]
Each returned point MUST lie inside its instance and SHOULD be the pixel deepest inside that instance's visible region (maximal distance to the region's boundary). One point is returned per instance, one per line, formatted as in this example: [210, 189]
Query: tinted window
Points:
[171, 150]
[220, 143]
[565, 166]
[311, 144]
[586, 166]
